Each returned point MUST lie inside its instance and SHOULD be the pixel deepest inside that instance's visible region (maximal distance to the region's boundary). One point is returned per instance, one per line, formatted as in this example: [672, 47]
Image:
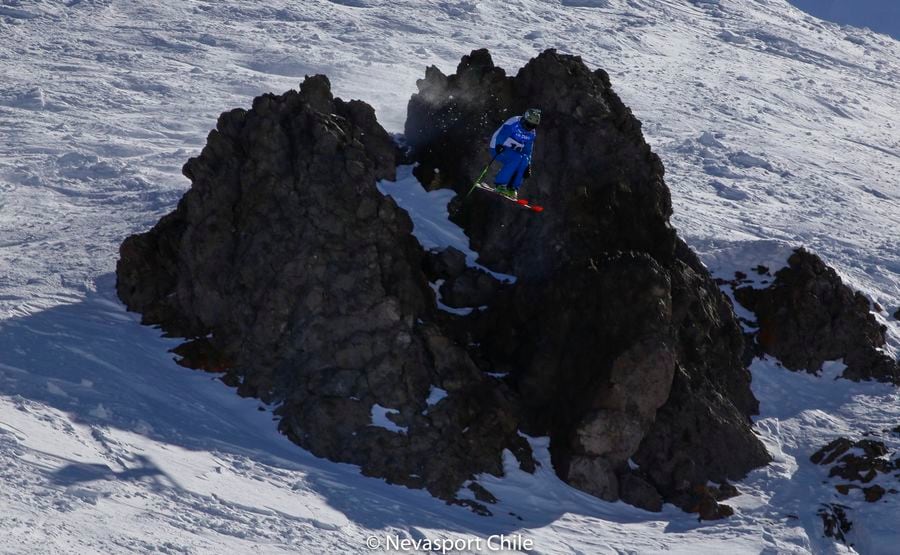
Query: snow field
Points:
[776, 130]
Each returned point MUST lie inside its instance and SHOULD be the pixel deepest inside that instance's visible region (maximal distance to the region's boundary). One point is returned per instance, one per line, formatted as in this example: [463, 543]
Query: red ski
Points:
[519, 202]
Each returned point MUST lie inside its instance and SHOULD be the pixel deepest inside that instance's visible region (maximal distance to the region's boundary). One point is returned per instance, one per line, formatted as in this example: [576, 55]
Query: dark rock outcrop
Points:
[835, 521]
[448, 263]
[808, 316]
[615, 337]
[856, 461]
[472, 288]
[310, 284]
[600, 183]
[637, 491]
[284, 264]
[856, 466]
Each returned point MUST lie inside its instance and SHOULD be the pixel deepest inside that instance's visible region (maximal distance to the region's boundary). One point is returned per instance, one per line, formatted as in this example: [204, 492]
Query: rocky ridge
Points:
[807, 316]
[286, 267]
[866, 470]
[620, 344]
[309, 286]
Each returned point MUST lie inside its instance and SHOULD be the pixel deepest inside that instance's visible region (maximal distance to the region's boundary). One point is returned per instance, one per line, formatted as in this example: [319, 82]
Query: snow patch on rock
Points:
[381, 419]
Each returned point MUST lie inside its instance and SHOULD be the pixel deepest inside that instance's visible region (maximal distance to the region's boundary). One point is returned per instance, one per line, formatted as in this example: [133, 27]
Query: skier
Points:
[512, 145]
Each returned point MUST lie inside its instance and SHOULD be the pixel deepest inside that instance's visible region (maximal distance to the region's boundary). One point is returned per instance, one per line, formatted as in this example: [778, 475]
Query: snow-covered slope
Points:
[776, 129]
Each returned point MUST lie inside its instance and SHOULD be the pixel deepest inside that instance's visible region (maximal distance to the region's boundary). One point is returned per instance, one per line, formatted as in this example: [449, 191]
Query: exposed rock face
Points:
[311, 285]
[808, 316]
[865, 471]
[449, 263]
[856, 461]
[834, 518]
[615, 337]
[285, 265]
[636, 491]
[472, 288]
[593, 171]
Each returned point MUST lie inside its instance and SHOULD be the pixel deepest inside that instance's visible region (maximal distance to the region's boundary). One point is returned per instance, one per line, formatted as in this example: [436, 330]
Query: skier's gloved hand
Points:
[500, 148]
[527, 173]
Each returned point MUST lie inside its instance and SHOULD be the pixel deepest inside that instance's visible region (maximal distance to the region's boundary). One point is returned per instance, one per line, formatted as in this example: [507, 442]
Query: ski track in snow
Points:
[776, 129]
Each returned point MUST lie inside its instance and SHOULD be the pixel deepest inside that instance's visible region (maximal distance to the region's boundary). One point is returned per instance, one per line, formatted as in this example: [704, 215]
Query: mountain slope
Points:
[775, 128]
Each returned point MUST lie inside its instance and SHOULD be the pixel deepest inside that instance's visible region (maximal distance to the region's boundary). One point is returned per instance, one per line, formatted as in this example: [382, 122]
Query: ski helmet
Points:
[532, 117]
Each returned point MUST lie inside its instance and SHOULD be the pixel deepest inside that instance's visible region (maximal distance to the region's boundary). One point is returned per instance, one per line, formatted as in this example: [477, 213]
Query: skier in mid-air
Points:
[512, 145]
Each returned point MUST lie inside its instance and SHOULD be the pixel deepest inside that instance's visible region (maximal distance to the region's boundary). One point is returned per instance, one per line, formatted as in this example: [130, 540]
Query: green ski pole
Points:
[480, 177]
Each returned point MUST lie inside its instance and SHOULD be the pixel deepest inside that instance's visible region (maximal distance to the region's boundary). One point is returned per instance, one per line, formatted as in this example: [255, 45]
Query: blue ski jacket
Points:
[513, 136]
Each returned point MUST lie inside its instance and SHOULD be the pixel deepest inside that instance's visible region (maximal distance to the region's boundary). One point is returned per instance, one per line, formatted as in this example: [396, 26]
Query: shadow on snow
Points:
[95, 362]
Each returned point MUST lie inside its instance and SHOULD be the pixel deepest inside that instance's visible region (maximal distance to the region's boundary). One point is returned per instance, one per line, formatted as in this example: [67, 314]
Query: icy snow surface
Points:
[776, 129]
[380, 419]
[429, 213]
[435, 396]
